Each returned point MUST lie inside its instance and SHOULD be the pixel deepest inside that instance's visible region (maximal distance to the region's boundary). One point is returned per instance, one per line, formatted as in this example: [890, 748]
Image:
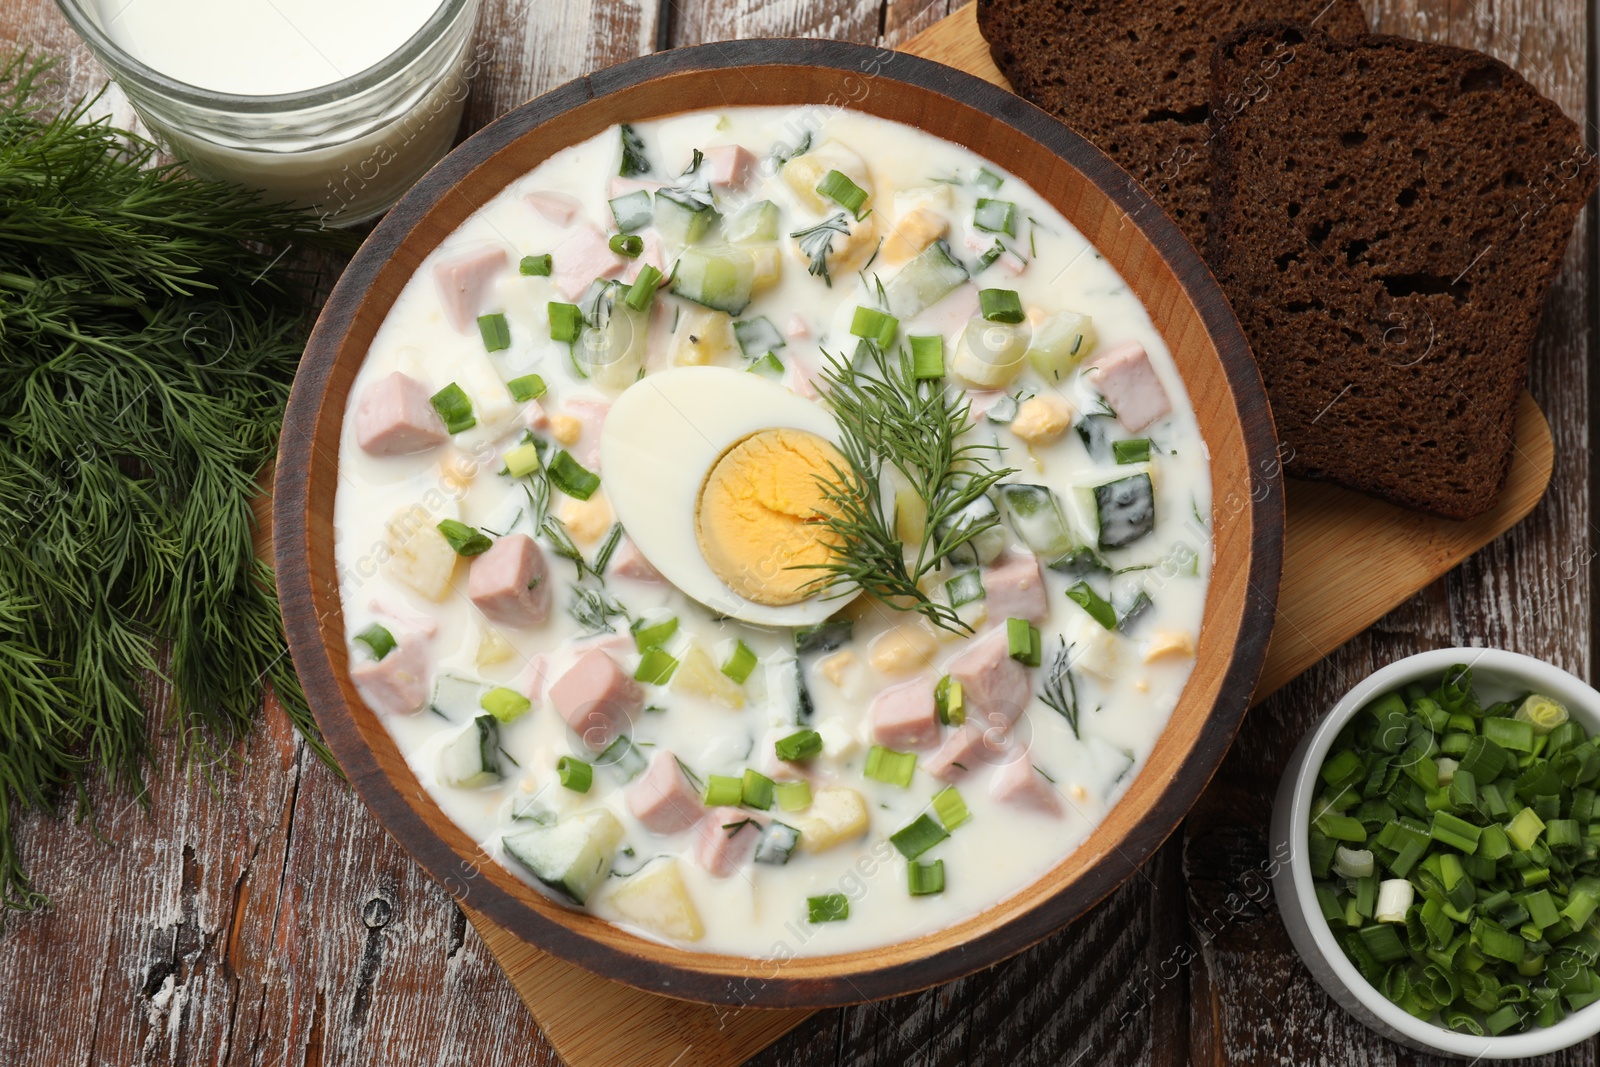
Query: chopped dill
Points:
[817, 241]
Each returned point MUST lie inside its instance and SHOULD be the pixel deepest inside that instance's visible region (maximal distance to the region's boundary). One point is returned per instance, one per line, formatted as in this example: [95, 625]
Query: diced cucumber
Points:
[634, 161]
[1127, 510]
[571, 857]
[1002, 411]
[825, 636]
[610, 349]
[1035, 515]
[754, 223]
[532, 809]
[777, 843]
[1139, 606]
[682, 216]
[789, 679]
[456, 697]
[722, 280]
[757, 337]
[988, 544]
[632, 212]
[1092, 432]
[472, 758]
[995, 216]
[964, 588]
[928, 278]
[990, 354]
[768, 366]
[1060, 343]
[623, 759]
[1080, 562]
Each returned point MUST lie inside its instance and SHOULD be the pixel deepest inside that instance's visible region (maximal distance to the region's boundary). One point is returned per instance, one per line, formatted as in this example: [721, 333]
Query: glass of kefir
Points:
[337, 106]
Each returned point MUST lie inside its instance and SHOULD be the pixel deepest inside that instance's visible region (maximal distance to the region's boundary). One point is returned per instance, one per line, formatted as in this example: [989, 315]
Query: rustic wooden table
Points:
[256, 914]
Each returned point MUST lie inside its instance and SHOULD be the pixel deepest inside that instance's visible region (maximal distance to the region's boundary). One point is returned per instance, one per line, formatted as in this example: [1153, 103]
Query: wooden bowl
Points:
[1102, 201]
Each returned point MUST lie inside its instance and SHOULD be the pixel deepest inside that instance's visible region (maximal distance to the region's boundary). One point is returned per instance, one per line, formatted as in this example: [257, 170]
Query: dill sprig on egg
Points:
[887, 416]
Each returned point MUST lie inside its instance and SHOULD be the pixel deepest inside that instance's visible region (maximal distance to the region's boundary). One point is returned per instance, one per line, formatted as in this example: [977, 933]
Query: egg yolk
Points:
[757, 518]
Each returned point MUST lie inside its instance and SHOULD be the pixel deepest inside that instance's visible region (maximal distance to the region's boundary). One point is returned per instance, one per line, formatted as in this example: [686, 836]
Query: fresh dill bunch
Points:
[886, 416]
[148, 337]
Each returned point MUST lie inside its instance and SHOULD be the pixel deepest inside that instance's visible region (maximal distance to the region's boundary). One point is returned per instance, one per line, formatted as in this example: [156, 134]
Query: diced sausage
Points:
[531, 680]
[466, 285]
[596, 698]
[621, 186]
[398, 612]
[581, 258]
[651, 255]
[1013, 588]
[796, 329]
[1125, 378]
[629, 562]
[728, 164]
[397, 684]
[727, 839]
[1020, 784]
[559, 208]
[962, 752]
[994, 687]
[903, 716]
[510, 583]
[534, 416]
[591, 414]
[662, 798]
[395, 417]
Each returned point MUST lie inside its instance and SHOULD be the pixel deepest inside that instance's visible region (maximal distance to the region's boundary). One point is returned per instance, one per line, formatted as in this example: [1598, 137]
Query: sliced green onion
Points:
[950, 808]
[723, 790]
[1135, 451]
[927, 358]
[1525, 829]
[1000, 305]
[918, 836]
[572, 477]
[1541, 713]
[793, 796]
[522, 460]
[874, 325]
[1454, 831]
[536, 266]
[800, 745]
[987, 179]
[626, 244]
[652, 635]
[378, 640]
[576, 775]
[655, 667]
[504, 704]
[643, 290]
[828, 908]
[495, 331]
[887, 765]
[837, 186]
[996, 216]
[757, 790]
[528, 387]
[454, 408]
[566, 321]
[741, 661]
[926, 879]
[1099, 609]
[464, 539]
[949, 701]
[1509, 734]
[1022, 642]
[1394, 899]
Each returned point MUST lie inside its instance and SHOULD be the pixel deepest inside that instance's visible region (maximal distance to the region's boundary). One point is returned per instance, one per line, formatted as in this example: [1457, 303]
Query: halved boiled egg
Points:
[714, 474]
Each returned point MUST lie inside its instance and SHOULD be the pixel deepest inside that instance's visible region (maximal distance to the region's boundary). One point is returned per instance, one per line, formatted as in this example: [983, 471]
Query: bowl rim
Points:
[1579, 697]
[1262, 516]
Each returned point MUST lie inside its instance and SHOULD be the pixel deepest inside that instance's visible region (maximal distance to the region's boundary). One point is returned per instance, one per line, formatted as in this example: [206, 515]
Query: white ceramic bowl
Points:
[1492, 669]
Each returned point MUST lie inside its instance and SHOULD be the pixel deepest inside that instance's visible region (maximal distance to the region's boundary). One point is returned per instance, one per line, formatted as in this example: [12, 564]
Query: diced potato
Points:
[902, 649]
[658, 900]
[422, 558]
[1099, 651]
[1168, 643]
[703, 337]
[912, 232]
[835, 816]
[936, 198]
[1042, 419]
[492, 648]
[769, 267]
[587, 520]
[457, 471]
[566, 428]
[698, 676]
[838, 740]
[835, 667]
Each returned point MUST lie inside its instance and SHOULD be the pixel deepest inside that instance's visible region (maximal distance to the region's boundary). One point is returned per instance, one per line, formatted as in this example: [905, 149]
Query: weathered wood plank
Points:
[1530, 591]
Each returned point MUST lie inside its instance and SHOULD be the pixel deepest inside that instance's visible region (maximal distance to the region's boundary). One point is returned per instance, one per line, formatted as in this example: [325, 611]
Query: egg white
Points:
[661, 439]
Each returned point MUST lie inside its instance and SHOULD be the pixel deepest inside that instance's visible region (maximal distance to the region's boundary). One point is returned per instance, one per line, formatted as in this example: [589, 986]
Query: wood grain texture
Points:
[1191, 984]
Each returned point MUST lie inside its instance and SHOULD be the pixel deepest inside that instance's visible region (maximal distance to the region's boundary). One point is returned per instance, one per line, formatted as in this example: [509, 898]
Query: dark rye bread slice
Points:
[1387, 216]
[1134, 76]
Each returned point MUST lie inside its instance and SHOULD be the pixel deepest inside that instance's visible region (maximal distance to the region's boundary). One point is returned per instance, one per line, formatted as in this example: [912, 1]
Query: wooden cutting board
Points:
[1348, 560]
